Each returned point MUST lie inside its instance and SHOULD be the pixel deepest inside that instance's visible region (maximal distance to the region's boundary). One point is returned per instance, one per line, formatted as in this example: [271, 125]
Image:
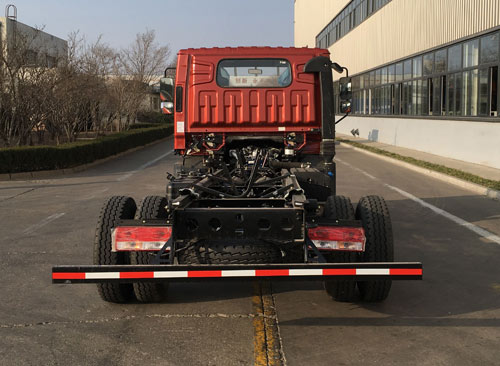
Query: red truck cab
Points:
[250, 91]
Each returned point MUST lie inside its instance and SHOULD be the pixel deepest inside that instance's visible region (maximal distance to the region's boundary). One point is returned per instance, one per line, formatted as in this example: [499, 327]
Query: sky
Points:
[177, 23]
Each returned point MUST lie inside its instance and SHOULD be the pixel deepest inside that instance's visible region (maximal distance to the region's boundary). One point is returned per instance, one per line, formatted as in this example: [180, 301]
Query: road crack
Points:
[134, 317]
[18, 195]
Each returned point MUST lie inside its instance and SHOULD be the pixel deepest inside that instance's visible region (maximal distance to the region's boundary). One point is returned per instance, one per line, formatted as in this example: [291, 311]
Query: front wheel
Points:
[374, 215]
[115, 209]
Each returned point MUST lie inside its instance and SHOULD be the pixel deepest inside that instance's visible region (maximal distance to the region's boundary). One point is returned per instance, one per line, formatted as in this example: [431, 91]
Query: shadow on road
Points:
[393, 321]
[461, 271]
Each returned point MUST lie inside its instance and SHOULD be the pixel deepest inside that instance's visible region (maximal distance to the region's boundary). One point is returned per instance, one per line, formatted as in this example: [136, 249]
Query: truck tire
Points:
[151, 207]
[115, 209]
[205, 252]
[340, 207]
[374, 215]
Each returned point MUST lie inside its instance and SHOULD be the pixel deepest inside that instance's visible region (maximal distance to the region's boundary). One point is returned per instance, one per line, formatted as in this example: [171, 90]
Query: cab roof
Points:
[255, 51]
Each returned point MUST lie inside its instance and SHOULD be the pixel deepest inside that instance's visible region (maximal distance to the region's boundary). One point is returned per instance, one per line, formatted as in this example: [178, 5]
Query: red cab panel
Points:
[236, 108]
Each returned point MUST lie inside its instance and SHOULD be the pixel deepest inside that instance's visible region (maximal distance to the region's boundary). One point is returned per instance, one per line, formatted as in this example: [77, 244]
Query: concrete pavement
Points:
[451, 317]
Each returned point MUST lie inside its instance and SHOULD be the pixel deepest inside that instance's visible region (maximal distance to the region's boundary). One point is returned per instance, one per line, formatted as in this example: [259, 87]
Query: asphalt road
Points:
[452, 317]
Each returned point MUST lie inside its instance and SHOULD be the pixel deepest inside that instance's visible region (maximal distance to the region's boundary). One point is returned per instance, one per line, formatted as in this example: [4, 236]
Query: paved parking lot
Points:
[451, 317]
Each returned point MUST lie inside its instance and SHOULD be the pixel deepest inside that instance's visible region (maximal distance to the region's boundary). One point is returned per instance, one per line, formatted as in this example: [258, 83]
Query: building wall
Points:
[398, 30]
[39, 41]
[311, 17]
[477, 142]
[384, 36]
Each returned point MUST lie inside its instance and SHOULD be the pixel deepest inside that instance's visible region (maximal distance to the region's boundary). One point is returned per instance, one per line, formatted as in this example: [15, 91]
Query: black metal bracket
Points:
[158, 260]
[309, 243]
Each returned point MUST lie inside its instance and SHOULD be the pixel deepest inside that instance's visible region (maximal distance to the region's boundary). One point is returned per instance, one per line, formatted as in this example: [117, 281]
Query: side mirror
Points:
[167, 107]
[167, 95]
[345, 95]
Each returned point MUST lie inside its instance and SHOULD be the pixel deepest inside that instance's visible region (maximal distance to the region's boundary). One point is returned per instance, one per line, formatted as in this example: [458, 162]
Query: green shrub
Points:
[155, 117]
[33, 158]
[140, 125]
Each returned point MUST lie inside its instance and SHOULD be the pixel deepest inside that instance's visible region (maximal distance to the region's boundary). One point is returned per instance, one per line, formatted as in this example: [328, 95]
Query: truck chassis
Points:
[249, 201]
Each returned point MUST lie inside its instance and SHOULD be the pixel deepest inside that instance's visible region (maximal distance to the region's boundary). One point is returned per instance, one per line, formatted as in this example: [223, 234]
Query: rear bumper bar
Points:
[159, 273]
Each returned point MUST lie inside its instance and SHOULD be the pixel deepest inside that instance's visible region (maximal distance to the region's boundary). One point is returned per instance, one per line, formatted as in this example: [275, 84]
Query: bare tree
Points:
[98, 62]
[81, 91]
[145, 59]
[89, 89]
[139, 66]
[22, 80]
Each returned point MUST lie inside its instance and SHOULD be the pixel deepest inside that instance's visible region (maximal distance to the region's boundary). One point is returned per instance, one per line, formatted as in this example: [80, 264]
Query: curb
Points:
[476, 188]
[46, 174]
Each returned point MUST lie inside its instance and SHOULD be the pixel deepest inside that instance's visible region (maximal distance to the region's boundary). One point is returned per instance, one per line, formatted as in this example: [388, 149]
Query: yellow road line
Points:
[259, 339]
[267, 346]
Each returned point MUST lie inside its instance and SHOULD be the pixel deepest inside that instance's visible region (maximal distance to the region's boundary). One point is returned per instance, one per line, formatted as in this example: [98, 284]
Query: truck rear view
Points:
[254, 195]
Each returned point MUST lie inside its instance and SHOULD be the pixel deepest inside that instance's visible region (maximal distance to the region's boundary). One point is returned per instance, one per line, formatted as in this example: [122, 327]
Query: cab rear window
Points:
[254, 73]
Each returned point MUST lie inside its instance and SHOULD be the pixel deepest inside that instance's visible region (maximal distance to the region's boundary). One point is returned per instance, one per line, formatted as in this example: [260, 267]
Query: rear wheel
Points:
[152, 207]
[115, 209]
[374, 215]
[336, 208]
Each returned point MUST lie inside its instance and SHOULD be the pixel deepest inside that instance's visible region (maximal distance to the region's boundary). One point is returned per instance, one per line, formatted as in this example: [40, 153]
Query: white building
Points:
[44, 49]
[425, 72]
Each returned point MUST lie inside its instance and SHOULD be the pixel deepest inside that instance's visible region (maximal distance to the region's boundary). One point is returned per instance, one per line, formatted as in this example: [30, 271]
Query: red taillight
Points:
[338, 238]
[140, 238]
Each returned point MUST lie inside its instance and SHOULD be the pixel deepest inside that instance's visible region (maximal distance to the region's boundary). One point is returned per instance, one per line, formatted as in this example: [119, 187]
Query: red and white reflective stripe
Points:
[241, 273]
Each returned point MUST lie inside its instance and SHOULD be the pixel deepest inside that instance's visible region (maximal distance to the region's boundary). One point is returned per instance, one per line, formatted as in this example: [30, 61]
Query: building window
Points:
[399, 72]
[366, 80]
[407, 69]
[378, 77]
[51, 61]
[471, 53]
[440, 61]
[31, 58]
[424, 97]
[354, 13]
[428, 63]
[474, 92]
[489, 48]
[455, 57]
[466, 86]
[457, 105]
[436, 99]
[406, 98]
[459, 80]
[483, 92]
[384, 76]
[391, 73]
[417, 67]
